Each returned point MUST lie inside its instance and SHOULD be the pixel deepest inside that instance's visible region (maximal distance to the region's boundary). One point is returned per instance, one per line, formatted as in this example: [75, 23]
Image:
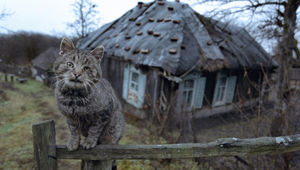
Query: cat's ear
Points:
[66, 45]
[98, 52]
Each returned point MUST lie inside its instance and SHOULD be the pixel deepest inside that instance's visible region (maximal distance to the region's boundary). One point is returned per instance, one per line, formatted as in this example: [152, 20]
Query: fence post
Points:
[44, 145]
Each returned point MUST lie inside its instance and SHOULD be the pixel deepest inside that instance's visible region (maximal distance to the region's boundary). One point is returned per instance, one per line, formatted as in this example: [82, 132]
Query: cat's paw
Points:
[89, 143]
[72, 145]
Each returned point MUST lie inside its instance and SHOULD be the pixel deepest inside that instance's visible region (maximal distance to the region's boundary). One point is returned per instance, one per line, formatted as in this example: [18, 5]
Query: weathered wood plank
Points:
[44, 145]
[221, 147]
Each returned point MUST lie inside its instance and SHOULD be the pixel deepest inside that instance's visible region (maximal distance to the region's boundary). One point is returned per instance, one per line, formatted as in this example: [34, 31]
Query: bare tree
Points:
[85, 12]
[272, 19]
[4, 13]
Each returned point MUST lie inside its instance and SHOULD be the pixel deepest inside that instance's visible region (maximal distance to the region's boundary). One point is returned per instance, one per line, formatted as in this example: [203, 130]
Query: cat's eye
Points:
[69, 64]
[86, 68]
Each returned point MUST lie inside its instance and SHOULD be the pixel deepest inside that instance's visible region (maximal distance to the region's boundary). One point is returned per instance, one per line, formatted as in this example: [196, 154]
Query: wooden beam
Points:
[221, 147]
[44, 145]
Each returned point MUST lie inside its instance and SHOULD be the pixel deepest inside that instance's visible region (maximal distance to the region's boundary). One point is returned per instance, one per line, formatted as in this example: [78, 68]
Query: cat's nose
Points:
[76, 75]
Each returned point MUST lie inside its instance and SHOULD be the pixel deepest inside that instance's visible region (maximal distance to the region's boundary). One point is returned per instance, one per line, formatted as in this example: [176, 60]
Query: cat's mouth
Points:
[75, 81]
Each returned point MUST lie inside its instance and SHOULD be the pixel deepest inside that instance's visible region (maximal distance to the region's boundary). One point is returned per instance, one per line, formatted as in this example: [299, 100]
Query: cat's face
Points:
[78, 69]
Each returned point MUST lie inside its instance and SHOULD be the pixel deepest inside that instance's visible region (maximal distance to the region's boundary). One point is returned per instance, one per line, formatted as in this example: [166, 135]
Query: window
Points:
[192, 90]
[224, 90]
[134, 86]
[188, 92]
[134, 81]
[220, 89]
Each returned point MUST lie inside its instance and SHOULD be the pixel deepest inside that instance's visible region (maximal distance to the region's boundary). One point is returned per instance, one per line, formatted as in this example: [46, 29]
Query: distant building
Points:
[163, 54]
[42, 65]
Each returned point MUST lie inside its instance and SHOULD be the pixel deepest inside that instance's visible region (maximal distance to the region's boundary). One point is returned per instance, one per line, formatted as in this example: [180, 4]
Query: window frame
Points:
[187, 90]
[140, 85]
[228, 92]
[198, 91]
[135, 83]
[217, 101]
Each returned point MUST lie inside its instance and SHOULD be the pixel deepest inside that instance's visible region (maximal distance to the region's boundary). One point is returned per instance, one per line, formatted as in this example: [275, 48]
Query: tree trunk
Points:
[286, 51]
[287, 45]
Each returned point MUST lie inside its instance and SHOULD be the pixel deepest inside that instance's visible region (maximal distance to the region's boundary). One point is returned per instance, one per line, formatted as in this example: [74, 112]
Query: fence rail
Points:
[47, 152]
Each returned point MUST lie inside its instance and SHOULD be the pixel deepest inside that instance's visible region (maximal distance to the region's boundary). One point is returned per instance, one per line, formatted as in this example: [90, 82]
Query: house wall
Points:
[245, 84]
[248, 86]
[209, 88]
[113, 71]
[246, 92]
[38, 74]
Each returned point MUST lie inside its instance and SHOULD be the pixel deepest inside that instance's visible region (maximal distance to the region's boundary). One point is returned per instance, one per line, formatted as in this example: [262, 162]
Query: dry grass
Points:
[22, 105]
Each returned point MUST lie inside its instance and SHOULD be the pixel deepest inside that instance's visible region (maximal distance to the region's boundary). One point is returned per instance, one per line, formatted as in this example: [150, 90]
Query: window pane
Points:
[223, 81]
[222, 92]
[132, 85]
[189, 97]
[188, 83]
[134, 77]
[221, 89]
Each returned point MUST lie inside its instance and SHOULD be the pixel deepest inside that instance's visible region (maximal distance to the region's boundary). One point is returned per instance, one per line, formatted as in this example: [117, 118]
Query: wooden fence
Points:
[46, 152]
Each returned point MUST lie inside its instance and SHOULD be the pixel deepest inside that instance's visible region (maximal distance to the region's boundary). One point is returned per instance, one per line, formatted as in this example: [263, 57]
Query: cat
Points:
[85, 98]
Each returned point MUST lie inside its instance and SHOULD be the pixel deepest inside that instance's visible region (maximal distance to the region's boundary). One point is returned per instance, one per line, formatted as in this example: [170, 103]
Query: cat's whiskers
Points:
[60, 82]
[85, 86]
[64, 82]
[91, 83]
[59, 77]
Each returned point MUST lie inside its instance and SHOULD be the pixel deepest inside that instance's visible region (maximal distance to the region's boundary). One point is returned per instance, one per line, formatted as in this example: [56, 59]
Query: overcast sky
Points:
[52, 16]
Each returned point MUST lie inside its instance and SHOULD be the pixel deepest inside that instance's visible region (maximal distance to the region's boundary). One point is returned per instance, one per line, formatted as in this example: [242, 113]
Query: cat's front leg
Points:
[93, 135]
[101, 119]
[74, 139]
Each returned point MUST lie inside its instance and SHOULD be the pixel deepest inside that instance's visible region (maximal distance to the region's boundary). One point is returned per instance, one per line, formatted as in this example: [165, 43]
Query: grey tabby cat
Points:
[87, 100]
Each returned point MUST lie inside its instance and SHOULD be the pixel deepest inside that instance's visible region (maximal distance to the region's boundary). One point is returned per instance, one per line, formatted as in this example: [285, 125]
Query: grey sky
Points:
[51, 16]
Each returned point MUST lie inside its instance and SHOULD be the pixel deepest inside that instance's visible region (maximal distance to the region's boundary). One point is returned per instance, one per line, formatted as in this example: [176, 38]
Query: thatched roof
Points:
[46, 59]
[172, 36]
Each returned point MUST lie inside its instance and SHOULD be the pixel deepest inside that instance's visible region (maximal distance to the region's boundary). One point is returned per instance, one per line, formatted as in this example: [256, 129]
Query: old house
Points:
[42, 65]
[165, 57]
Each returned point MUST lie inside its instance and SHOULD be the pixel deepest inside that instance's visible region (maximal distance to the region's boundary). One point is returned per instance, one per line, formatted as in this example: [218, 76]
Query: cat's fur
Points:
[87, 100]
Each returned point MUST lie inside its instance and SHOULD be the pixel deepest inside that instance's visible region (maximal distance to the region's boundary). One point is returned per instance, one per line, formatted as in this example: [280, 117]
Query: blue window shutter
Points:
[199, 92]
[125, 82]
[215, 91]
[141, 90]
[231, 82]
